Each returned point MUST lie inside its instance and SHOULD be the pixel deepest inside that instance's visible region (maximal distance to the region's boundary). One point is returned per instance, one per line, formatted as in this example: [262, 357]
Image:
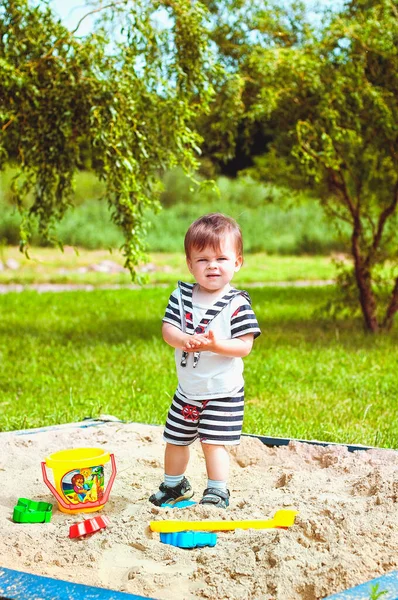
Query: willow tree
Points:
[328, 98]
[129, 101]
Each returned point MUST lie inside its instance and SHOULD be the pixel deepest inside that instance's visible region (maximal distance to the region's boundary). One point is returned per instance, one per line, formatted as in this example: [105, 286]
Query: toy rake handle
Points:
[70, 506]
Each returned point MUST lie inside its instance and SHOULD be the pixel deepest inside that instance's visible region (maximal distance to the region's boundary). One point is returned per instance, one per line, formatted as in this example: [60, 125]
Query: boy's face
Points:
[213, 270]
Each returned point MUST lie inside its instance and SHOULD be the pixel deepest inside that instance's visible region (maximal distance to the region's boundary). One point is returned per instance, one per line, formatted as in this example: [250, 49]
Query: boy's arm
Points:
[236, 347]
[174, 336]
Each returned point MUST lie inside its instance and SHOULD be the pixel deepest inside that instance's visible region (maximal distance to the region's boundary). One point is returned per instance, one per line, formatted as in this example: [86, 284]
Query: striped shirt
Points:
[215, 376]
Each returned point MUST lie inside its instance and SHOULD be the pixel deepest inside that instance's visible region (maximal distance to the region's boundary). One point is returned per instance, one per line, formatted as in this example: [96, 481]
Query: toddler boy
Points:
[212, 326]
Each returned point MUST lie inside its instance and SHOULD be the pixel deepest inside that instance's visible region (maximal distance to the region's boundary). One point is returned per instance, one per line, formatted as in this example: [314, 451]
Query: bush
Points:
[273, 219]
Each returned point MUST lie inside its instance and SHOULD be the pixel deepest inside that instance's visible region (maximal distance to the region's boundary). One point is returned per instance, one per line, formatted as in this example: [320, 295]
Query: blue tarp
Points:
[384, 587]
[16, 585]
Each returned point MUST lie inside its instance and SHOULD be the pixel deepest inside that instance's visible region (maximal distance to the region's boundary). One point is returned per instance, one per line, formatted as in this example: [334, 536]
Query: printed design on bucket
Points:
[83, 485]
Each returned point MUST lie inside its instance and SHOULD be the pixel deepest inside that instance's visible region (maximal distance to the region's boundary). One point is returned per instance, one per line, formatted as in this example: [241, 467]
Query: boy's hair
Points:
[209, 230]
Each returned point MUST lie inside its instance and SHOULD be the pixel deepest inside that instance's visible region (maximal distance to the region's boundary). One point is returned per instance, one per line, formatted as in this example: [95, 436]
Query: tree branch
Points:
[394, 9]
[329, 208]
[357, 181]
[392, 308]
[96, 10]
[333, 212]
[342, 187]
[362, 272]
[70, 33]
[4, 127]
[387, 212]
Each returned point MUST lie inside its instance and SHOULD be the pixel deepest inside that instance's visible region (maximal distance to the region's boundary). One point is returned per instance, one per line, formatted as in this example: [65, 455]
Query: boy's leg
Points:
[175, 486]
[181, 426]
[176, 459]
[217, 467]
[220, 426]
[217, 461]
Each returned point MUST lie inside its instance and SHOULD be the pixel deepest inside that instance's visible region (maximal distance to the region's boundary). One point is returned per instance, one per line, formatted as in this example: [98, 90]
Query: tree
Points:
[132, 102]
[328, 97]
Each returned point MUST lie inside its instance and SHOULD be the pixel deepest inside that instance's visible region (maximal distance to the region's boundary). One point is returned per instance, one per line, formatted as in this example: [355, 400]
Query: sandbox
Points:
[345, 533]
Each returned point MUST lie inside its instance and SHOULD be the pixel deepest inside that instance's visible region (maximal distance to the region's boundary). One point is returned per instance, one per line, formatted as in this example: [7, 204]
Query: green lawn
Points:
[48, 265]
[73, 355]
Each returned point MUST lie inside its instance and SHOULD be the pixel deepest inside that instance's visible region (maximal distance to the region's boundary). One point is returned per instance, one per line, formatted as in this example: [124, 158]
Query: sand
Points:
[345, 533]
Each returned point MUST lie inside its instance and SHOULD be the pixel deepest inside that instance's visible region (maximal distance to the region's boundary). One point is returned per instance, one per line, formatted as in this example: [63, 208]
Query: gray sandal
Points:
[171, 495]
[215, 497]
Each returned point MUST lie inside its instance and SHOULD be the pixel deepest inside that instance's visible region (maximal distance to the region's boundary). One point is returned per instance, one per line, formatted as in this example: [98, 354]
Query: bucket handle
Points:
[79, 505]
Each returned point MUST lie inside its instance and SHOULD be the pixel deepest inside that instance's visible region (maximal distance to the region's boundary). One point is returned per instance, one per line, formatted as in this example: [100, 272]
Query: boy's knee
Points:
[211, 448]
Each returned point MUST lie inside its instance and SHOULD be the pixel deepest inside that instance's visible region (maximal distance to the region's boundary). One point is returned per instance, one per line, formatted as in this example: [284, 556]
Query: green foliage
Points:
[349, 144]
[376, 593]
[88, 353]
[77, 266]
[87, 223]
[131, 103]
[324, 97]
[328, 101]
[274, 219]
[270, 229]
[345, 301]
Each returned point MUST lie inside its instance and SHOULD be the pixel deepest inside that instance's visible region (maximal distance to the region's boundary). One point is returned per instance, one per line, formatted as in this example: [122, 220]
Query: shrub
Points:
[273, 219]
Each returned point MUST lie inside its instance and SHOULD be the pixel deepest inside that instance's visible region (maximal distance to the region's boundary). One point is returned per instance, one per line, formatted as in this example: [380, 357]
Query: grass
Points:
[273, 219]
[68, 356]
[48, 265]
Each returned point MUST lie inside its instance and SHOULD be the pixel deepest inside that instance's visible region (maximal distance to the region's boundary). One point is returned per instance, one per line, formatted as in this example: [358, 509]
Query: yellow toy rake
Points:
[282, 519]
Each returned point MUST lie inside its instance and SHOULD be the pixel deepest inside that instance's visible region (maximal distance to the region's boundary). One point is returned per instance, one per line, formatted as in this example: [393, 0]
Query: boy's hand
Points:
[199, 342]
[237, 347]
[211, 341]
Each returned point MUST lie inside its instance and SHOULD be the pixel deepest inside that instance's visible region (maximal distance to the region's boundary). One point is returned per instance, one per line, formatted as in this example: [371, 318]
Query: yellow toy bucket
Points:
[79, 478]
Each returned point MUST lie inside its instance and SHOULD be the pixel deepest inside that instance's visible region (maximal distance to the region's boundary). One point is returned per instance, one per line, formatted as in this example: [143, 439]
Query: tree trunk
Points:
[363, 278]
[366, 299]
[392, 309]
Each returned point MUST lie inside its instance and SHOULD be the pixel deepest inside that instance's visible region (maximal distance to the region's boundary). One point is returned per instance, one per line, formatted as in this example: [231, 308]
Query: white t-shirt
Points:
[214, 376]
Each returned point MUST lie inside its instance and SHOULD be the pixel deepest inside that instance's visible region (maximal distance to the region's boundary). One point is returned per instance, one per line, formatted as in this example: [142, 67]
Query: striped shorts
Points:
[214, 421]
